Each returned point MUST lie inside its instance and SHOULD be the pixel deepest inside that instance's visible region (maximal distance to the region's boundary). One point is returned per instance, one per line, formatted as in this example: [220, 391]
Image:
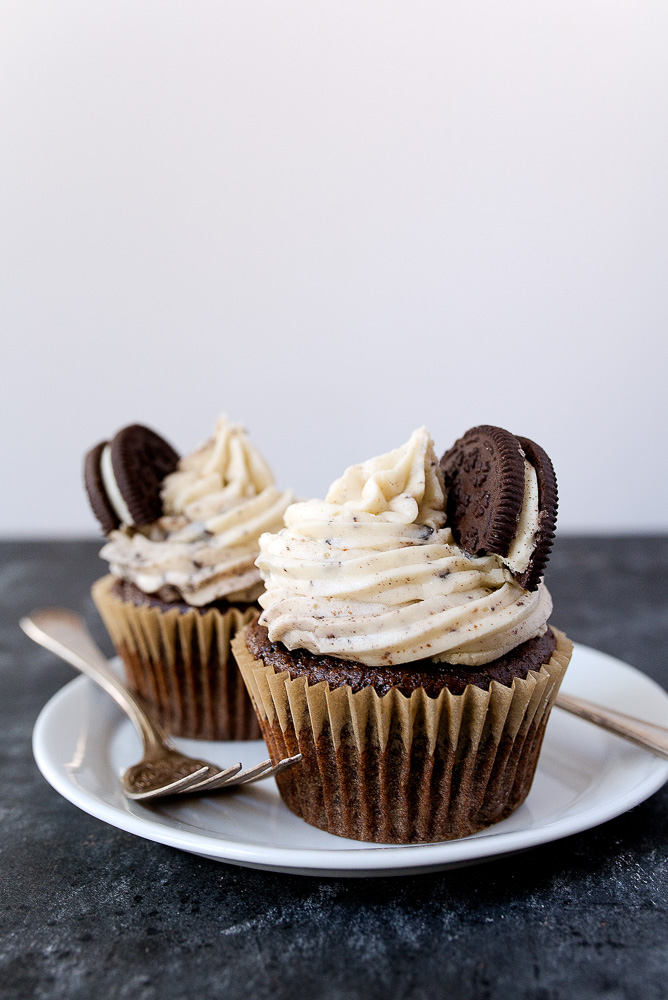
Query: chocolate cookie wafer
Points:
[141, 459]
[484, 479]
[548, 502]
[492, 506]
[97, 495]
[123, 478]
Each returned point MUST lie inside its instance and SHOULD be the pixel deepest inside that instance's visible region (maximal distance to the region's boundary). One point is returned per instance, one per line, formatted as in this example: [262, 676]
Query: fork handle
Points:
[64, 633]
[643, 734]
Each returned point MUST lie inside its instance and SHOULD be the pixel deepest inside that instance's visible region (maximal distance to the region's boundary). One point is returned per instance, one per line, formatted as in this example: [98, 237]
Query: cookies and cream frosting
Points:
[372, 573]
[216, 504]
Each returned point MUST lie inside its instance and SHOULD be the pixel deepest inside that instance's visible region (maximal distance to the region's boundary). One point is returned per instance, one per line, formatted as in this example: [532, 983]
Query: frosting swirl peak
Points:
[405, 486]
[224, 471]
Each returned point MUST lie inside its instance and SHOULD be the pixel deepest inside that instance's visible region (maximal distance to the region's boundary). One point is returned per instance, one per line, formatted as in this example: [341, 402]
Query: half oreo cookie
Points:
[548, 504]
[123, 478]
[484, 479]
[487, 492]
[97, 496]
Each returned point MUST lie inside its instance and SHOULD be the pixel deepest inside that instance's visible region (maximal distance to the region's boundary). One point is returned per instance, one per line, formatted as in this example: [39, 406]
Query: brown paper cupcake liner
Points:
[182, 665]
[399, 769]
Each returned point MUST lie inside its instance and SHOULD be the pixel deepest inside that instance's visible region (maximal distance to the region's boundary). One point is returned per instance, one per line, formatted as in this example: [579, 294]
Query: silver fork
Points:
[163, 770]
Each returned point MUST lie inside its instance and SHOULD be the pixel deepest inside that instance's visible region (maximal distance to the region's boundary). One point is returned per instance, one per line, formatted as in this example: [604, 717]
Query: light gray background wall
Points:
[335, 221]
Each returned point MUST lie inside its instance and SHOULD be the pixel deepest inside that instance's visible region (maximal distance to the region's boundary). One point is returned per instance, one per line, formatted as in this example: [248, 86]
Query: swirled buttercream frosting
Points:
[216, 504]
[372, 573]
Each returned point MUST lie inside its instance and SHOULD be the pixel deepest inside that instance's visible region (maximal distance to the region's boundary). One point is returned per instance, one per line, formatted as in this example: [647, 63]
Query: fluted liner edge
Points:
[182, 665]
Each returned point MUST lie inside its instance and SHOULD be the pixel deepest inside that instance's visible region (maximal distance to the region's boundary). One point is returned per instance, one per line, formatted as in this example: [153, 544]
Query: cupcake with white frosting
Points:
[183, 579]
[415, 677]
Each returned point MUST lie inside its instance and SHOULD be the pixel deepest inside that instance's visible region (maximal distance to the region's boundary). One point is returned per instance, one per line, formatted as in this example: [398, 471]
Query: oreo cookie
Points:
[548, 504]
[97, 495]
[484, 476]
[484, 479]
[123, 477]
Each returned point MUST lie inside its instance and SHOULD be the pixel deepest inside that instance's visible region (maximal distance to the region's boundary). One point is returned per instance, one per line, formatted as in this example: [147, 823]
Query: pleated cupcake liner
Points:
[403, 769]
[182, 665]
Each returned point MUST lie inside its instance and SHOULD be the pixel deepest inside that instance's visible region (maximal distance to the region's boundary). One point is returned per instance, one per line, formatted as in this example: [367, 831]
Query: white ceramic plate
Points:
[82, 743]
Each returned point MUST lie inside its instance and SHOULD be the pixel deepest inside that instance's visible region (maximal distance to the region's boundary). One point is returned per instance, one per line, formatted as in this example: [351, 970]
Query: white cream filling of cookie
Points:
[524, 542]
[114, 495]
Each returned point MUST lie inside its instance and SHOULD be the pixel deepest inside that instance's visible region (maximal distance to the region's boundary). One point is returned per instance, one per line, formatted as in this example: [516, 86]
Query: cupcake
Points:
[403, 646]
[182, 540]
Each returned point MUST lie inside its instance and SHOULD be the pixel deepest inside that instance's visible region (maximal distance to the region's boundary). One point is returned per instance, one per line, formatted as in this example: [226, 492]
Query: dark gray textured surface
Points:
[90, 910]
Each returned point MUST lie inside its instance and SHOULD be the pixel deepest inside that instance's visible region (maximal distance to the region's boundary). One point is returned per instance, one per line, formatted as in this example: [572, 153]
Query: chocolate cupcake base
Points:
[179, 660]
[403, 768]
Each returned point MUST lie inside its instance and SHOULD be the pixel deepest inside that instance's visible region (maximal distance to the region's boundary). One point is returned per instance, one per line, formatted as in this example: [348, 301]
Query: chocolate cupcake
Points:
[182, 542]
[415, 678]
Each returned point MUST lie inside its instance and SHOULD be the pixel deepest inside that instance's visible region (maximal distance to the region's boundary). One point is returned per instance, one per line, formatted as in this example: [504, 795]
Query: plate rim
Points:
[362, 859]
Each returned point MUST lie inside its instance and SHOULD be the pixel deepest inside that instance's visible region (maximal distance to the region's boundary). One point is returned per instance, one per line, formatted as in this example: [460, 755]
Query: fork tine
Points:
[264, 770]
[220, 779]
[173, 788]
[257, 771]
[212, 782]
[224, 779]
